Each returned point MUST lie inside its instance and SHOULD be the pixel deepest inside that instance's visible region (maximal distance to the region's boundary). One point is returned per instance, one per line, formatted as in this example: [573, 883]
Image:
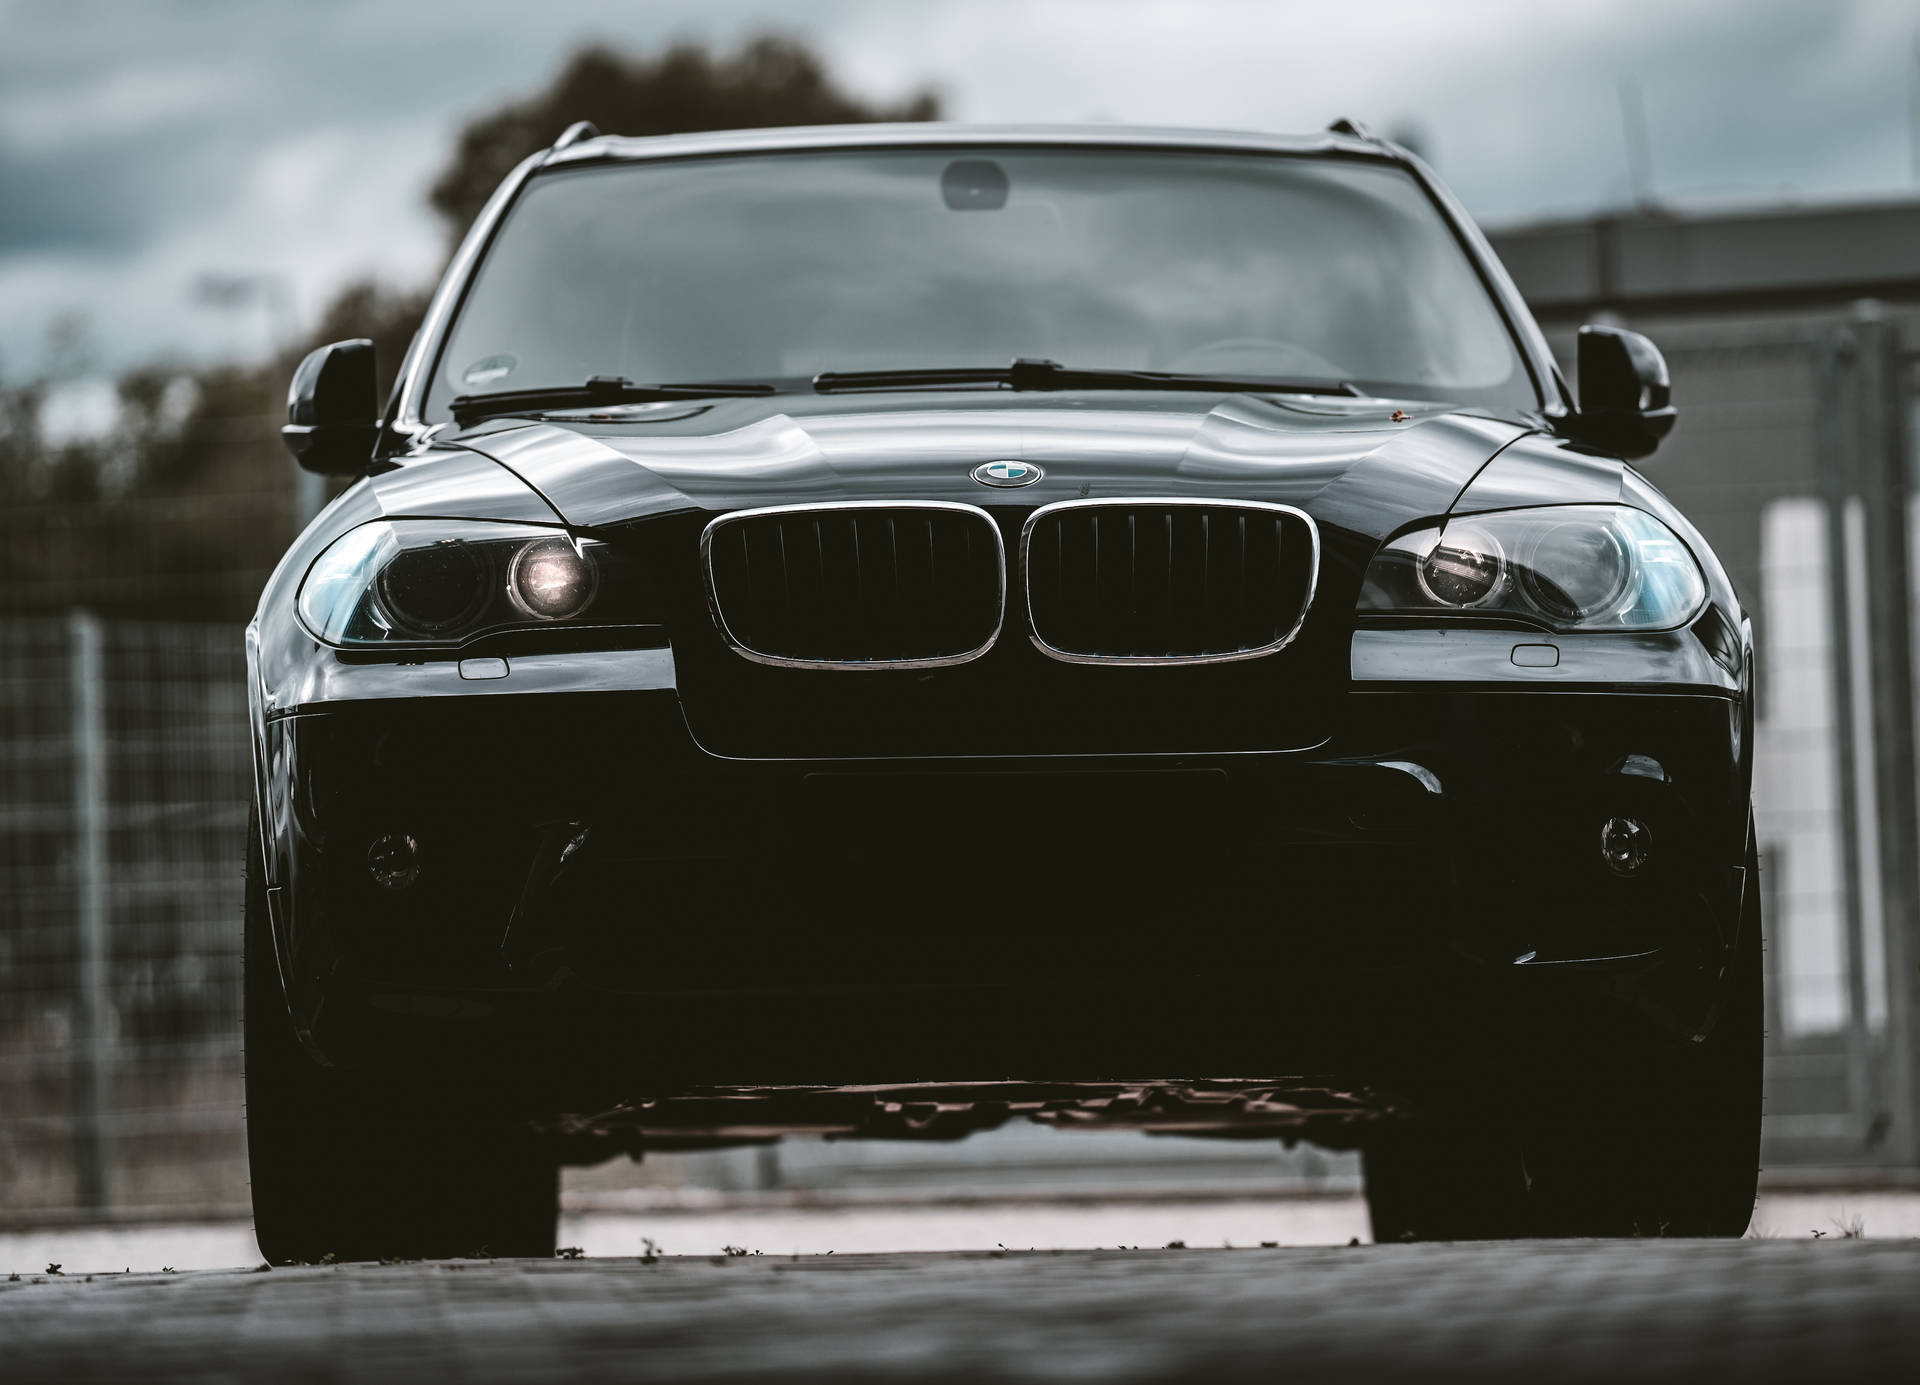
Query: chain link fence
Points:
[1795, 457]
[123, 749]
[156, 555]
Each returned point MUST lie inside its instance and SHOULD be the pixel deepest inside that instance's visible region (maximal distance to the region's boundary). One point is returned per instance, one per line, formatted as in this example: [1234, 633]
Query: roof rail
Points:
[1342, 126]
[574, 133]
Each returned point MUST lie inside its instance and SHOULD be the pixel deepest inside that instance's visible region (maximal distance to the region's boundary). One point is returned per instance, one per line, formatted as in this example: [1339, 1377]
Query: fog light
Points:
[394, 861]
[1625, 845]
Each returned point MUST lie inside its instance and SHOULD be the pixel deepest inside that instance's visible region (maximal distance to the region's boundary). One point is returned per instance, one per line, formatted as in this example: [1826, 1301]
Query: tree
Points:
[769, 81]
[206, 503]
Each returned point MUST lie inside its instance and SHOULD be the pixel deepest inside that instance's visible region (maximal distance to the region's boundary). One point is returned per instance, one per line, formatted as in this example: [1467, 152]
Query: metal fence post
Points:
[1839, 483]
[90, 867]
[1886, 496]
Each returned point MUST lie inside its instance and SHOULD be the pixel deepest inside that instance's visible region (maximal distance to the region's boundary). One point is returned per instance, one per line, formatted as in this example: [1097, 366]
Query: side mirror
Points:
[1626, 399]
[333, 410]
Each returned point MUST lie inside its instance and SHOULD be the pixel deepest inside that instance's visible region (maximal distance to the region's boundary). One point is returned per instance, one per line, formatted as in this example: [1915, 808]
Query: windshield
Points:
[779, 267]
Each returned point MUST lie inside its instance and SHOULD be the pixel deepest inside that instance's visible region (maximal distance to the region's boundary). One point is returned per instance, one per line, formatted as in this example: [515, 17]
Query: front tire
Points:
[1659, 1146]
[1669, 1148]
[342, 1170]
[1438, 1182]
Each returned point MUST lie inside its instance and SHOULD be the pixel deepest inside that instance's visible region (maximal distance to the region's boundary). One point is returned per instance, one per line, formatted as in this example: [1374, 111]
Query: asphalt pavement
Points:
[1755, 1311]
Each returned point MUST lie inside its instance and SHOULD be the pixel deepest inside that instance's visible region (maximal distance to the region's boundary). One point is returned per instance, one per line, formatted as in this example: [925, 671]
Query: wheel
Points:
[1439, 1182]
[344, 1170]
[1670, 1148]
[1658, 1146]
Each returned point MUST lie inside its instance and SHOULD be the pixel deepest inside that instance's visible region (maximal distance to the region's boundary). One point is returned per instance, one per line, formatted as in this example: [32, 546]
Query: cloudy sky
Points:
[147, 142]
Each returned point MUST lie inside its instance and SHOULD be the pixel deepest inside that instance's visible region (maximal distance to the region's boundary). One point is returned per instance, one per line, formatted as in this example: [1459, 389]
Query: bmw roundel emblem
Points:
[1006, 473]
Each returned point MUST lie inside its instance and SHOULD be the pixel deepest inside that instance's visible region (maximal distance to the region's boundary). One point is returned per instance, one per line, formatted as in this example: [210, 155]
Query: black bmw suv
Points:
[888, 630]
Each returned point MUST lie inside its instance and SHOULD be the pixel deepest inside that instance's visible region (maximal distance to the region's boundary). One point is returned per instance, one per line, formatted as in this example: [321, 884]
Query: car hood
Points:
[1368, 466]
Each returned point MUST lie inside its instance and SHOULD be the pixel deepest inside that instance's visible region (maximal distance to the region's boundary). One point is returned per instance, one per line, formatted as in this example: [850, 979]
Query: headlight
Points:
[405, 582]
[1567, 567]
[551, 579]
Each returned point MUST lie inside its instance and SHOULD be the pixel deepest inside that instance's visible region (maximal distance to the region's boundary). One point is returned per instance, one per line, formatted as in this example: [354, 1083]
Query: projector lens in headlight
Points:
[1565, 567]
[1464, 568]
[550, 580]
[429, 591]
[1575, 570]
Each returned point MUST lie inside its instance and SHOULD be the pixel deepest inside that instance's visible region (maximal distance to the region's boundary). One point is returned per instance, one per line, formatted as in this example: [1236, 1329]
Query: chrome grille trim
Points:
[746, 651]
[1169, 502]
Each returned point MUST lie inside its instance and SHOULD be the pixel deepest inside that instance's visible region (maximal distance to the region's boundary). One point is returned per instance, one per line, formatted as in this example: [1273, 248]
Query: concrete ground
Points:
[1694, 1311]
[694, 1221]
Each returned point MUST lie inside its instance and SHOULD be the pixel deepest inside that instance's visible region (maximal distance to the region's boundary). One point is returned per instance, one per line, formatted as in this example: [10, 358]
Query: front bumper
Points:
[603, 906]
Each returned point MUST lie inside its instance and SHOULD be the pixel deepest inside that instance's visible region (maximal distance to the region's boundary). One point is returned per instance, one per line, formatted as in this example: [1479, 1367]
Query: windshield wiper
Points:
[601, 389]
[1029, 374]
